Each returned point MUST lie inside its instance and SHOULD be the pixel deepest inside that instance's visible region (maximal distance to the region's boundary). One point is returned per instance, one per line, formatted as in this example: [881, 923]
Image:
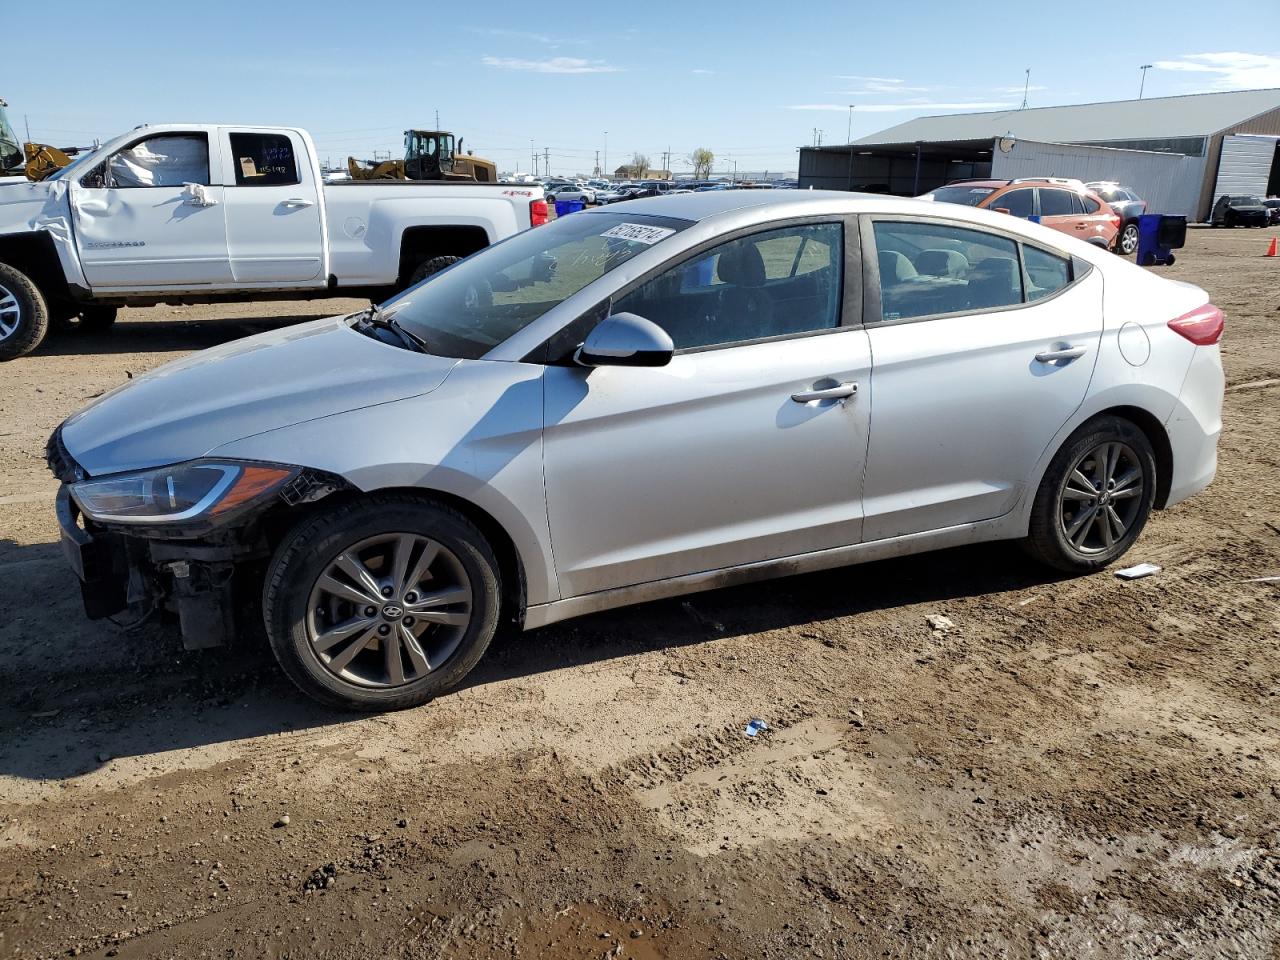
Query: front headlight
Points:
[185, 491]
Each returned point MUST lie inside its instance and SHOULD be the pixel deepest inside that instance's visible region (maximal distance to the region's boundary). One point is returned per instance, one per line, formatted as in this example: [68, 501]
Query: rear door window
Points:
[1090, 205]
[1019, 203]
[930, 270]
[263, 160]
[1046, 272]
[1056, 203]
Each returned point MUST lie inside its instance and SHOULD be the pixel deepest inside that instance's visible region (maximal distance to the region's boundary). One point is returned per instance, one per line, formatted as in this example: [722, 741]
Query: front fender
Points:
[477, 438]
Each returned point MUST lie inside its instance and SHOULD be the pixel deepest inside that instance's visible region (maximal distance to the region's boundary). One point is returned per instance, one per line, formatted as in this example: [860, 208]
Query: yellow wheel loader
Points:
[428, 155]
[35, 161]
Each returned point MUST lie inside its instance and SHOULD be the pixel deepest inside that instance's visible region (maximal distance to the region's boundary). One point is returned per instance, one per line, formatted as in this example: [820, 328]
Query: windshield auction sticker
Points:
[638, 232]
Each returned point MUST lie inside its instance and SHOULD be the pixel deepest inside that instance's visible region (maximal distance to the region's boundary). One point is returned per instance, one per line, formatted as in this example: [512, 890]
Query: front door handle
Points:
[840, 391]
[298, 202]
[1062, 353]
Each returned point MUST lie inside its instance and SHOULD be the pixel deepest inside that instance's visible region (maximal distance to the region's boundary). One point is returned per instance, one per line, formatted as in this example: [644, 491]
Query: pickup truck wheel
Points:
[381, 604]
[24, 315]
[98, 319]
[428, 267]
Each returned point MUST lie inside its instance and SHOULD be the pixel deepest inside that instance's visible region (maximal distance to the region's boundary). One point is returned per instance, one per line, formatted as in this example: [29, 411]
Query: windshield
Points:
[969, 196]
[10, 150]
[470, 308]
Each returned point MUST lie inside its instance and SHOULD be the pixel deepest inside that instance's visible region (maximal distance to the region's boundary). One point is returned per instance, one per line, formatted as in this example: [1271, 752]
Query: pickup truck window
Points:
[263, 160]
[470, 308]
[167, 160]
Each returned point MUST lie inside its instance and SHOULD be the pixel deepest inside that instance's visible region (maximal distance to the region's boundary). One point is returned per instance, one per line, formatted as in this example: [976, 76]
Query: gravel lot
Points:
[1082, 768]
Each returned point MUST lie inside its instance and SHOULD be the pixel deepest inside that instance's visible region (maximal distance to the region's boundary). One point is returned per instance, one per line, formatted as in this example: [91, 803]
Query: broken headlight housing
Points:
[198, 489]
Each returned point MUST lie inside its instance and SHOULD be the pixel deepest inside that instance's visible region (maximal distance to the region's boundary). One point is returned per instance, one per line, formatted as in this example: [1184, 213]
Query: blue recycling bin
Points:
[565, 207]
[1158, 236]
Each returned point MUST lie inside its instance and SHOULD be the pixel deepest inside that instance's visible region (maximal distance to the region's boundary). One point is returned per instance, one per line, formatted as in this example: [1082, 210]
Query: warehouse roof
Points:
[1195, 115]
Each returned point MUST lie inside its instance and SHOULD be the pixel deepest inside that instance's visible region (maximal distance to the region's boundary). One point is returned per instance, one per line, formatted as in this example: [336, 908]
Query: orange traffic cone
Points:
[1271, 250]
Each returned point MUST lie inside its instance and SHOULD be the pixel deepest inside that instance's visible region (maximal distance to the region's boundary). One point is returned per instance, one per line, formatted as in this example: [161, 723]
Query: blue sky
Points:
[750, 81]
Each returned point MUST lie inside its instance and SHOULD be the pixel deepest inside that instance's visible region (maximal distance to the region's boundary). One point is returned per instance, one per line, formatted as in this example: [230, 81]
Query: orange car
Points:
[1062, 205]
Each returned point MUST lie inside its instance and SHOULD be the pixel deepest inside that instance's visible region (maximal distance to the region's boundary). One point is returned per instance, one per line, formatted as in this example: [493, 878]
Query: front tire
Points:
[1095, 497]
[24, 315]
[427, 574]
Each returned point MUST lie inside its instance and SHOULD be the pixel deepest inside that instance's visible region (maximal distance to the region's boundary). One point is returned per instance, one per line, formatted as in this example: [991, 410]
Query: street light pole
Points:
[849, 144]
[606, 152]
[1143, 85]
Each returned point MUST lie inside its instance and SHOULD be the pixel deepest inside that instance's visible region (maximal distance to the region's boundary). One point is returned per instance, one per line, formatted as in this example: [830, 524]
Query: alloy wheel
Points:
[10, 313]
[1129, 239]
[389, 610]
[1102, 497]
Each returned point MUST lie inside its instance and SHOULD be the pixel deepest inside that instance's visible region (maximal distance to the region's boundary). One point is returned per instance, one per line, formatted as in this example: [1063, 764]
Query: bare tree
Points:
[639, 166]
[702, 159]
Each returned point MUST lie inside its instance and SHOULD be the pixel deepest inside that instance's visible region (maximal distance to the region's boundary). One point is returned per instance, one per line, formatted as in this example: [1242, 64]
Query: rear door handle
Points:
[839, 392]
[1063, 353]
[298, 202]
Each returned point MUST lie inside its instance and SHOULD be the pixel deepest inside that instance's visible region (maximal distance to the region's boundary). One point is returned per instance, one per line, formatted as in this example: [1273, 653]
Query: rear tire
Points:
[429, 267]
[24, 315]
[376, 546]
[98, 319]
[1095, 498]
[1127, 242]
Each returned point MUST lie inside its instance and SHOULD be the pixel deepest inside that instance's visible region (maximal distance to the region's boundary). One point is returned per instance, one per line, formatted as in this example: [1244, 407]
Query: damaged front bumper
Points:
[194, 579]
[207, 570]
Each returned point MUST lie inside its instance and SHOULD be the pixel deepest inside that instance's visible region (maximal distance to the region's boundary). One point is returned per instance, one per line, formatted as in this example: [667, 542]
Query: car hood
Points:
[184, 409]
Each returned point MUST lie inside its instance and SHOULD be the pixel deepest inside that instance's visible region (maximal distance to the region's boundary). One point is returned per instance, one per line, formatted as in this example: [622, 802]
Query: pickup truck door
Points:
[275, 222]
[149, 216]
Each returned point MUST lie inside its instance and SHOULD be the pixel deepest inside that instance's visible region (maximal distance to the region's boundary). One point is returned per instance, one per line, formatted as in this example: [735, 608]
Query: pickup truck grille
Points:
[60, 461]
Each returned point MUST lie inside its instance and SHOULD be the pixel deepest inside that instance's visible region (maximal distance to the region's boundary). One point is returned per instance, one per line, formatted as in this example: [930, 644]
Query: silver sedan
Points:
[638, 402]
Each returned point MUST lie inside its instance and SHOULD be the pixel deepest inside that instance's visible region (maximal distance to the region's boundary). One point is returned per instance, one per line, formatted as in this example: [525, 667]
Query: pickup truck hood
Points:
[25, 205]
[184, 409]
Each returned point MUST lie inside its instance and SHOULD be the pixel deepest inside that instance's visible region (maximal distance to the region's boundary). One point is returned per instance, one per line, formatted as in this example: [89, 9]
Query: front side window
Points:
[1019, 203]
[163, 161]
[930, 269]
[470, 308]
[777, 283]
[263, 160]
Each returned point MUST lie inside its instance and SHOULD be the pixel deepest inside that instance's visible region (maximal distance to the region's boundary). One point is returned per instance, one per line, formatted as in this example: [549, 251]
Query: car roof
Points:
[975, 183]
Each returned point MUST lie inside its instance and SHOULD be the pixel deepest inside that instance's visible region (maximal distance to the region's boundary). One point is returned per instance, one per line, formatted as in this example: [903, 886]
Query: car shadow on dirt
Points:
[159, 336]
[85, 693]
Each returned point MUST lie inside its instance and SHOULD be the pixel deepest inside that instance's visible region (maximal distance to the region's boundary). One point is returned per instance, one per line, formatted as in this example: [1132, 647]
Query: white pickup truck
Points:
[190, 213]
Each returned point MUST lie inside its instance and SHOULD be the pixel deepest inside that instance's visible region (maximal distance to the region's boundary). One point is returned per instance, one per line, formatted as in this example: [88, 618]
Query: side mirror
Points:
[625, 340]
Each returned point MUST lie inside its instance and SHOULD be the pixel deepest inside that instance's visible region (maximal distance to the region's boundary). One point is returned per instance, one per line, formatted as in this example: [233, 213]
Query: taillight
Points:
[538, 213]
[1115, 220]
[1202, 326]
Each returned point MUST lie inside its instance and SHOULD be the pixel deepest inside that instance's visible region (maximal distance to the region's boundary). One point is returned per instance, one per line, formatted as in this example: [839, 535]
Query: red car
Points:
[1064, 205]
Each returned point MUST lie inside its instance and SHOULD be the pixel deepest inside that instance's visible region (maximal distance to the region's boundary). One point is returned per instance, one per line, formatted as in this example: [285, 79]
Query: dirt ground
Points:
[1076, 768]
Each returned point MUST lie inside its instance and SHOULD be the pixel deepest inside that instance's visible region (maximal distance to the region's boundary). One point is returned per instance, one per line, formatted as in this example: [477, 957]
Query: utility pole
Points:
[597, 173]
[1026, 87]
[819, 138]
[1143, 85]
[437, 119]
[546, 164]
[533, 158]
[606, 151]
[815, 136]
[849, 143]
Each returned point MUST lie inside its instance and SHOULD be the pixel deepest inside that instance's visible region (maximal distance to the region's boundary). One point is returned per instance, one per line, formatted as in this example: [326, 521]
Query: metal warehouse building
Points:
[1180, 153]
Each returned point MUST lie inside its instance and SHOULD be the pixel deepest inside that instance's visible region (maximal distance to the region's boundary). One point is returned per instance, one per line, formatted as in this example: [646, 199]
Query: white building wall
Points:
[1244, 166]
[1169, 182]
